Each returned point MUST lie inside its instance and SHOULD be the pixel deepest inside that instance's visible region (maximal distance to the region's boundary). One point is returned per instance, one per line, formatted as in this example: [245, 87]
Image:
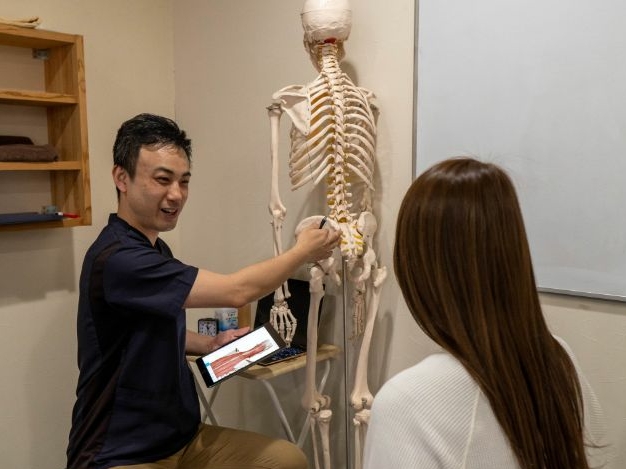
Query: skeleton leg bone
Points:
[311, 398]
[366, 226]
[313, 401]
[360, 421]
[361, 398]
[323, 423]
[313, 422]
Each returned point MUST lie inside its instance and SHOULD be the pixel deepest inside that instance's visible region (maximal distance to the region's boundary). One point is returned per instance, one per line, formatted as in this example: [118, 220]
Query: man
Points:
[136, 401]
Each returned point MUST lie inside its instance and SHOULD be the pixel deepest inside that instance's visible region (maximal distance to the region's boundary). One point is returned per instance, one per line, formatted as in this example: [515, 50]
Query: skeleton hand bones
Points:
[318, 244]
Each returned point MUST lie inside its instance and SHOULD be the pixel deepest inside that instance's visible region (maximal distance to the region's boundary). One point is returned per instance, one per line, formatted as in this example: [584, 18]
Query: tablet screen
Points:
[239, 354]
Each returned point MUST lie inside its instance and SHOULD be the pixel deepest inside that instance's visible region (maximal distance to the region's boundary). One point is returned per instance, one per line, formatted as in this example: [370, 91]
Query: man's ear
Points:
[120, 178]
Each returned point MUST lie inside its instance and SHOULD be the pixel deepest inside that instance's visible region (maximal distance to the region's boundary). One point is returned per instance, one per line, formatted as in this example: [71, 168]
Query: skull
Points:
[326, 20]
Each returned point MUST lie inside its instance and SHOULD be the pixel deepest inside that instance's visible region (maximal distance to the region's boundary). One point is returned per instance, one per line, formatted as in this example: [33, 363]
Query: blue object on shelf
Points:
[27, 217]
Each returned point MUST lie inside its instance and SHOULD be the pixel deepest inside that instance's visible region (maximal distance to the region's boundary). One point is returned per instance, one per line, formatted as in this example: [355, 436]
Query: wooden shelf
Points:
[54, 166]
[35, 98]
[64, 100]
[65, 223]
[34, 38]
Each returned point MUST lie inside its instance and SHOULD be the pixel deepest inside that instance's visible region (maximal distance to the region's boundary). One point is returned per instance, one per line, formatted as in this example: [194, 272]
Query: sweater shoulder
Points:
[436, 383]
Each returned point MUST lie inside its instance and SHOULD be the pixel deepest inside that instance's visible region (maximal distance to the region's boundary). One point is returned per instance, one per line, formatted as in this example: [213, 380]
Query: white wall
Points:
[596, 330]
[129, 69]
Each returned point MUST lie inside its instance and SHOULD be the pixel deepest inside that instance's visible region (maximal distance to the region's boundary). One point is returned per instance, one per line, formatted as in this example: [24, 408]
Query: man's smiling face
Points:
[152, 200]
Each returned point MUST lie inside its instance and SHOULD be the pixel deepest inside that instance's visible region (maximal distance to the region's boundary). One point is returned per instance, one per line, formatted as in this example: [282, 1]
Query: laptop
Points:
[299, 305]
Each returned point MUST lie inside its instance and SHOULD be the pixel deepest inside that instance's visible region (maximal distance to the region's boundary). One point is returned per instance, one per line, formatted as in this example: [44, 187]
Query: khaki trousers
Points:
[226, 448]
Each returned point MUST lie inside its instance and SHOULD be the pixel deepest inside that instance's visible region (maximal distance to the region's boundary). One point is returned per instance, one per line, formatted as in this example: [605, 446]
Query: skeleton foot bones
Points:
[333, 139]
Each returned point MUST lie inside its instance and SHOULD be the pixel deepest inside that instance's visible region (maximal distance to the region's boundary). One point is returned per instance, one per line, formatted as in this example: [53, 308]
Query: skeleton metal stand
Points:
[346, 365]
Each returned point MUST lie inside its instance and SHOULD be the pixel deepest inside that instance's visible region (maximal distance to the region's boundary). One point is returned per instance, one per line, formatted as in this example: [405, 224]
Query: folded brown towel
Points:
[28, 153]
[13, 139]
[30, 22]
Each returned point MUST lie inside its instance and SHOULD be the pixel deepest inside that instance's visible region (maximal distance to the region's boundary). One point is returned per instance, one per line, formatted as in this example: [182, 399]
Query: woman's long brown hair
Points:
[463, 264]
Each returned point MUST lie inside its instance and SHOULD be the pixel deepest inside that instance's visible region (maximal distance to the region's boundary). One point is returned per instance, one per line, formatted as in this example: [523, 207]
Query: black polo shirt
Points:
[136, 399]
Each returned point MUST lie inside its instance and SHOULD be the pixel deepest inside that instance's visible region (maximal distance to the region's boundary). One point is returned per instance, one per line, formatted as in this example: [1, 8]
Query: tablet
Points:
[239, 354]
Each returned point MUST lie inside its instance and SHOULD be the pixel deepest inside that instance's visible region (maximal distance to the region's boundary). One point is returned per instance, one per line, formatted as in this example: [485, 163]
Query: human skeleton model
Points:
[333, 138]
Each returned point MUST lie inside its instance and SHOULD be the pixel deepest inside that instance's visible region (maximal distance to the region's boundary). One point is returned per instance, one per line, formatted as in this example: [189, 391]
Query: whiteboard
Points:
[538, 87]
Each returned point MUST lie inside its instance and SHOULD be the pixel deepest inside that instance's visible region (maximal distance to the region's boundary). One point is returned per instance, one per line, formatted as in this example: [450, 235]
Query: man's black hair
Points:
[147, 130]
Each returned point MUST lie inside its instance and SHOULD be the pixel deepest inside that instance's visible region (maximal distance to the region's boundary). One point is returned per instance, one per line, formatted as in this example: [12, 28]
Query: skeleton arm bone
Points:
[276, 206]
[280, 315]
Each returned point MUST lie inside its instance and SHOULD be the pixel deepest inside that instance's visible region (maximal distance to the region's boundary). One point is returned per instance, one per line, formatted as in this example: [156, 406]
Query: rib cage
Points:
[340, 143]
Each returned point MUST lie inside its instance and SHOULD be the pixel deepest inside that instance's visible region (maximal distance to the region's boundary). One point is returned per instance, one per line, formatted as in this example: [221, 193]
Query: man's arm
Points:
[257, 280]
[200, 344]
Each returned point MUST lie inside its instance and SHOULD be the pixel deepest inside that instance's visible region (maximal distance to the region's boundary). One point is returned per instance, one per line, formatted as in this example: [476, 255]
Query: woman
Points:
[504, 393]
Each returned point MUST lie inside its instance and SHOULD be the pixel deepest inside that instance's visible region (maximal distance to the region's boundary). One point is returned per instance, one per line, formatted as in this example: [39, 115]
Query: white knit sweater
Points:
[434, 416]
